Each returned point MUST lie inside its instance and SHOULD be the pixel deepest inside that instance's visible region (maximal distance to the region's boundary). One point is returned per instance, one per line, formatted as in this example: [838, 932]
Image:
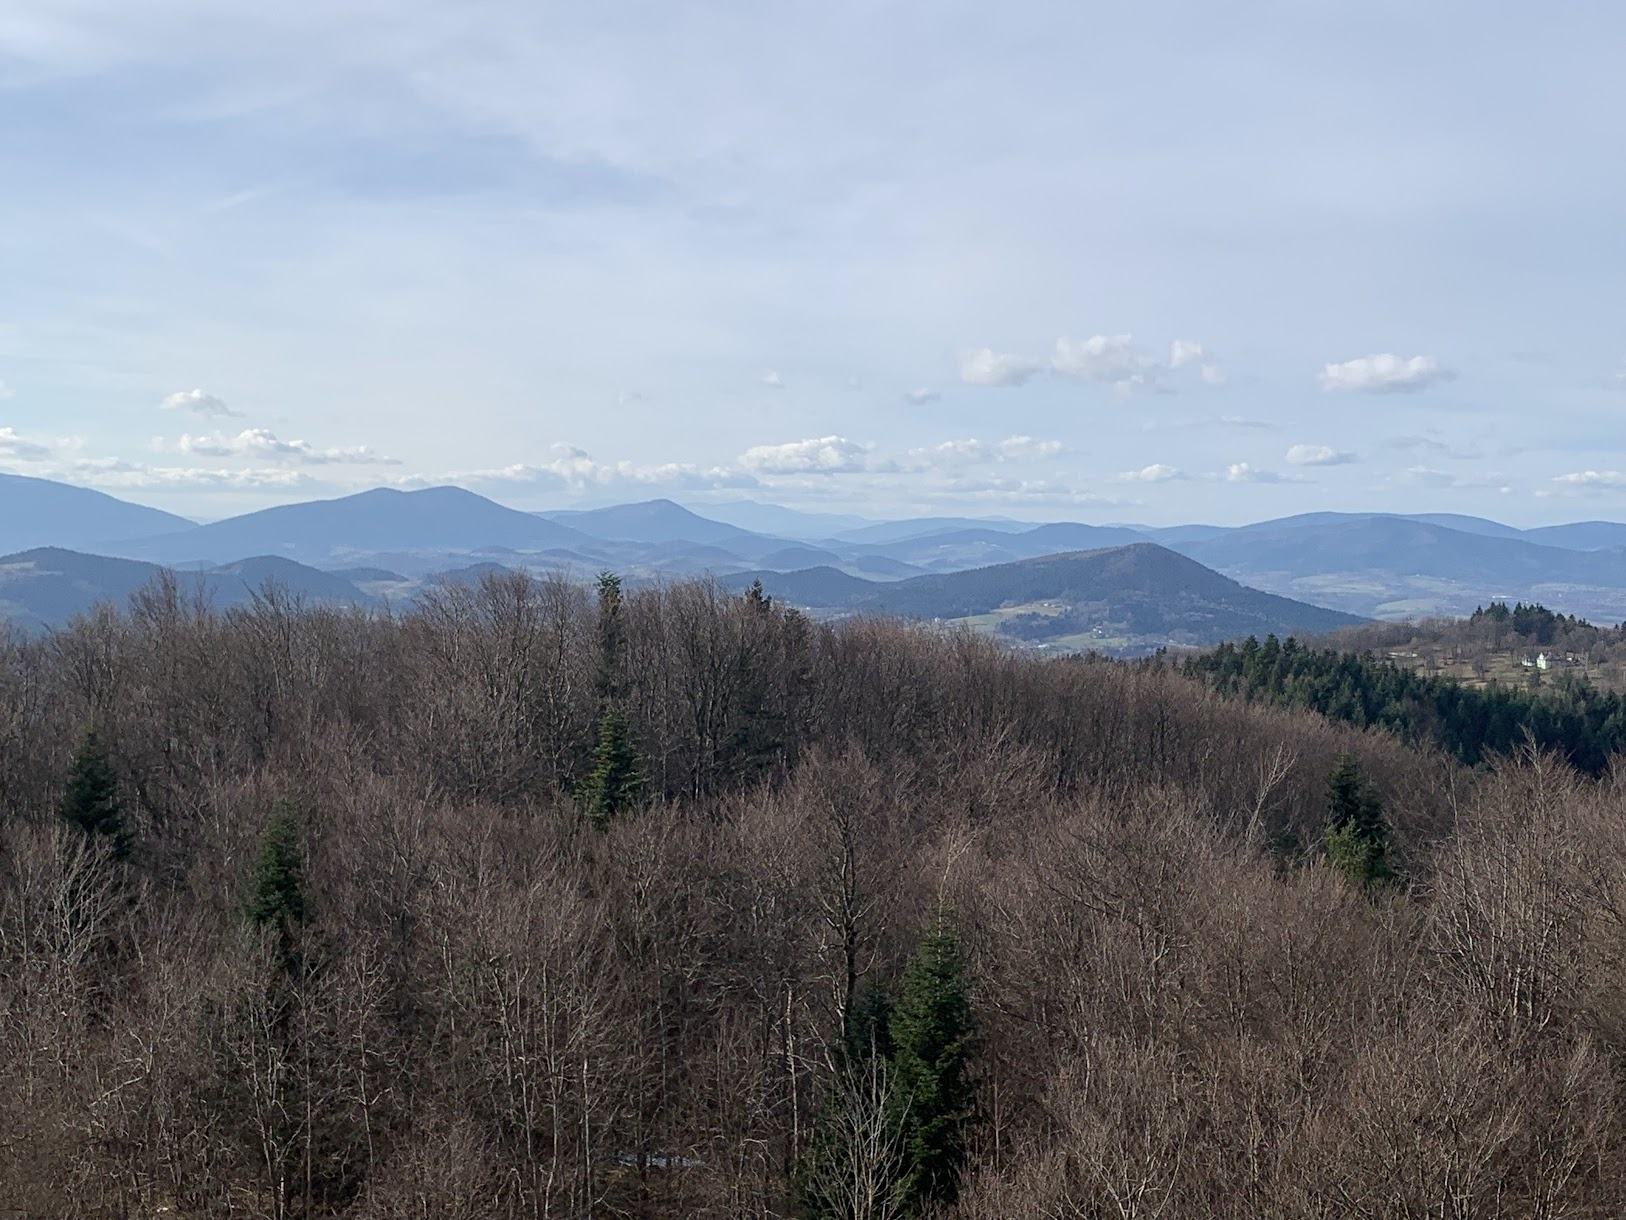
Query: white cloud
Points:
[1028, 447]
[1384, 373]
[818, 455]
[199, 403]
[922, 396]
[115, 473]
[263, 444]
[1428, 476]
[971, 450]
[574, 468]
[20, 448]
[1592, 478]
[773, 380]
[1158, 472]
[1188, 351]
[1241, 472]
[1106, 360]
[1319, 455]
[984, 366]
[5, 390]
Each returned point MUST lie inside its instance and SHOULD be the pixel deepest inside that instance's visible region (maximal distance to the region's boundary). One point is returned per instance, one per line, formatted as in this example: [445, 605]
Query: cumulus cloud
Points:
[1319, 455]
[19, 448]
[574, 468]
[817, 455]
[1157, 472]
[984, 366]
[1592, 478]
[1106, 360]
[971, 450]
[1241, 472]
[199, 403]
[773, 380]
[1384, 373]
[263, 444]
[1213, 375]
[922, 396]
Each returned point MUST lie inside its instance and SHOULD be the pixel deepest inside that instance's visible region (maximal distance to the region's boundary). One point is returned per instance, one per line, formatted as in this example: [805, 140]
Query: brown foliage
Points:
[498, 1010]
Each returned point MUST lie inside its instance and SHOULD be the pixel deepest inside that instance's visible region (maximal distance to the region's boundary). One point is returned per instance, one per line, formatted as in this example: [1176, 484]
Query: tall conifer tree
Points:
[276, 894]
[932, 1028]
[1357, 837]
[615, 781]
[90, 801]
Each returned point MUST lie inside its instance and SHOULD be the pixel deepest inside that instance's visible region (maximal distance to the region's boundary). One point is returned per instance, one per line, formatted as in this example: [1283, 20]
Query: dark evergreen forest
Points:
[1569, 716]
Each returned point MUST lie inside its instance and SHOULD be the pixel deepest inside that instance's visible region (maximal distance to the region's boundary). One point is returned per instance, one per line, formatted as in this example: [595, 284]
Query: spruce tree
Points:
[616, 780]
[90, 801]
[1357, 837]
[932, 1028]
[611, 638]
[276, 892]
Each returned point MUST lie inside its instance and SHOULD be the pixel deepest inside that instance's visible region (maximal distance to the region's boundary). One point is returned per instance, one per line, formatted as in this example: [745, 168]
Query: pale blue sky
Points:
[1151, 261]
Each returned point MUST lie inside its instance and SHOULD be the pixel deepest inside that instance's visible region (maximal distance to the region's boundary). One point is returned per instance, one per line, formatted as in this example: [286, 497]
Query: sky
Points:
[1044, 259]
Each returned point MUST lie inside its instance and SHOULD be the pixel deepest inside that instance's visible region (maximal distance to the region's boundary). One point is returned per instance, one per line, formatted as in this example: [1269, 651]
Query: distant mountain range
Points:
[1369, 564]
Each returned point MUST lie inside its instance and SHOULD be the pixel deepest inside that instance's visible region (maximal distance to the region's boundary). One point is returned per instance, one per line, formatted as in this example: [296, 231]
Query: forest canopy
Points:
[668, 902]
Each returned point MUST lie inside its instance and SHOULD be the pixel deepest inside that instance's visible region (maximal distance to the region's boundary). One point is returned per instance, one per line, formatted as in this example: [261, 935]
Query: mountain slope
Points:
[47, 586]
[661, 522]
[920, 527]
[381, 520]
[1579, 535]
[1406, 548]
[649, 521]
[41, 512]
[1141, 590]
[781, 522]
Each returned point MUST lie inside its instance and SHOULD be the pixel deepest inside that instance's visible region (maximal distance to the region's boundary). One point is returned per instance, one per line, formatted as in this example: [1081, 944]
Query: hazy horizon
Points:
[1050, 263]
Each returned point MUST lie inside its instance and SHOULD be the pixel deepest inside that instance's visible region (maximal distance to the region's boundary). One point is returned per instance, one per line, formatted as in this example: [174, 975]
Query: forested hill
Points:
[1573, 717]
[1141, 590]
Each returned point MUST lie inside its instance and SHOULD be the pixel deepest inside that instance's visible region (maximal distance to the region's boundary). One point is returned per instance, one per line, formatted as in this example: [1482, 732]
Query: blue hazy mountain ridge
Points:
[447, 519]
[664, 523]
[655, 521]
[1366, 563]
[920, 527]
[41, 512]
[1404, 547]
[1579, 535]
[1142, 589]
[47, 586]
[782, 522]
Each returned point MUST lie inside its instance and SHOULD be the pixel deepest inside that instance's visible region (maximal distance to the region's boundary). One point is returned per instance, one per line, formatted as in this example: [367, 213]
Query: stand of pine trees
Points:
[1584, 724]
